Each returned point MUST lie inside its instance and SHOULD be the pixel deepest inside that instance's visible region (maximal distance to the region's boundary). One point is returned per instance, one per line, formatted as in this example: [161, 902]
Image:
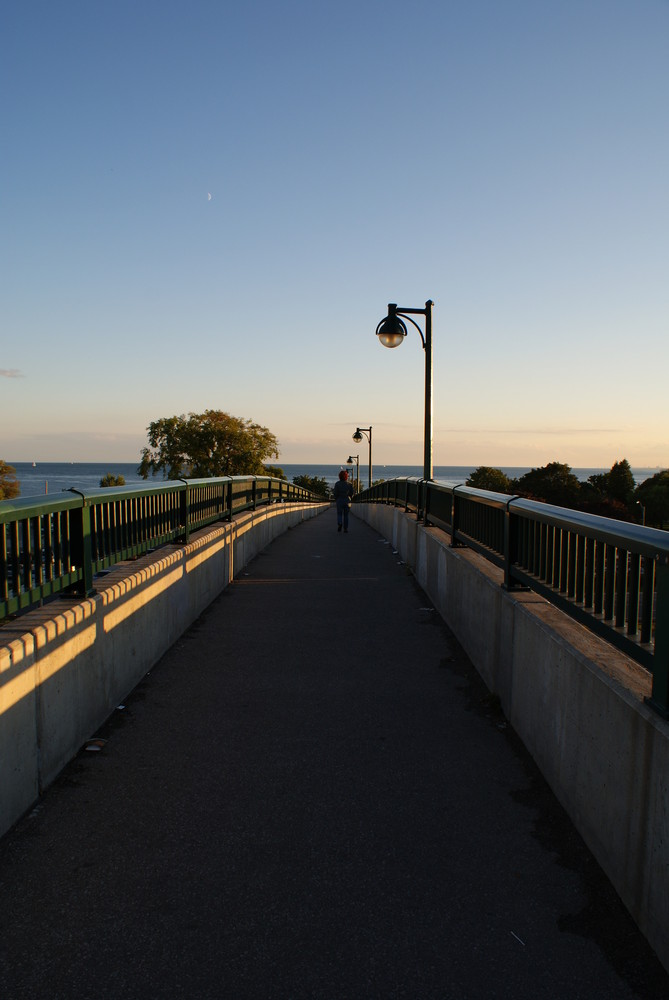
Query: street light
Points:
[357, 437]
[643, 513]
[391, 331]
[349, 461]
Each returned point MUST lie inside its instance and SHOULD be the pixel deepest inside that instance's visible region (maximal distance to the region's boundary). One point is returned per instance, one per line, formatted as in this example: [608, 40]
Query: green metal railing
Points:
[56, 544]
[611, 576]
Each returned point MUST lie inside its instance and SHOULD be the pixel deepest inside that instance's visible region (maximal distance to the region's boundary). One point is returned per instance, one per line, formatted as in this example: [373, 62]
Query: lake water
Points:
[52, 477]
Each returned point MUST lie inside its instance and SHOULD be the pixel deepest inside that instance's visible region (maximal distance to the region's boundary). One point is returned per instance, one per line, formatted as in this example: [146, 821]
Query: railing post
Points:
[82, 550]
[659, 699]
[185, 511]
[455, 517]
[419, 510]
[507, 548]
[510, 544]
[426, 504]
[511, 528]
[81, 546]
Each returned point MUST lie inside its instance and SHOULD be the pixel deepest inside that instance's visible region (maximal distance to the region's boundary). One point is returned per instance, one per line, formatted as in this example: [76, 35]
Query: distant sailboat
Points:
[34, 465]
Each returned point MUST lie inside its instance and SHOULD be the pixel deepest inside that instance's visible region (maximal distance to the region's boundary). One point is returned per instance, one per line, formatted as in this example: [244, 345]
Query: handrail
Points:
[611, 576]
[56, 544]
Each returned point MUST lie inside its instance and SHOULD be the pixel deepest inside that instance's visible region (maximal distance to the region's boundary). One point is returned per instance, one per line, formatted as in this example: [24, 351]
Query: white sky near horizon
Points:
[508, 159]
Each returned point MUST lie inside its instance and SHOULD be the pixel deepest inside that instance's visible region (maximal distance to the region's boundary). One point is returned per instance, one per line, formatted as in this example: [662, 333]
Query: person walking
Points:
[343, 491]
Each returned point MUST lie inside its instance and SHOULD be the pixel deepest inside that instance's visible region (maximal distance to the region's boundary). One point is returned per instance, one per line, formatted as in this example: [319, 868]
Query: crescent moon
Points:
[208, 197]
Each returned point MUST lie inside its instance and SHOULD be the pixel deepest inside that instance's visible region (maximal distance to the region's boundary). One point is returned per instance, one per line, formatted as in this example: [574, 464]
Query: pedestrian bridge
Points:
[313, 793]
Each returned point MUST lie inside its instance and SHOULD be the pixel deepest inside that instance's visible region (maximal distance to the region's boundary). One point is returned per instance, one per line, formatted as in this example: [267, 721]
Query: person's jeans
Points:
[342, 513]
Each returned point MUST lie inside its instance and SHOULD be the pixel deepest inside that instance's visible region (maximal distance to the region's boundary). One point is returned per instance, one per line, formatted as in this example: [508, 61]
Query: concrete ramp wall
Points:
[576, 702]
[64, 668]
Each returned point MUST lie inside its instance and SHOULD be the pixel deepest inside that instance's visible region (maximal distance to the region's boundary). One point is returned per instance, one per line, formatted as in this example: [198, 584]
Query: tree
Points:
[109, 479]
[313, 483]
[485, 478]
[599, 483]
[9, 485]
[275, 472]
[594, 502]
[610, 494]
[653, 494]
[621, 483]
[203, 445]
[553, 483]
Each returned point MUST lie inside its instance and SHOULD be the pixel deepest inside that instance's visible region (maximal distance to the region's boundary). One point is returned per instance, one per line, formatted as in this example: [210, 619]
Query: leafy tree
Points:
[207, 444]
[594, 502]
[598, 484]
[313, 483]
[610, 494]
[109, 479]
[485, 478]
[275, 472]
[9, 485]
[621, 483]
[553, 483]
[653, 493]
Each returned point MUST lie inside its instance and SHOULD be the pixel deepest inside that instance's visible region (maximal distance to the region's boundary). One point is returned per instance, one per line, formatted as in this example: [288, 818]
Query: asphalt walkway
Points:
[311, 796]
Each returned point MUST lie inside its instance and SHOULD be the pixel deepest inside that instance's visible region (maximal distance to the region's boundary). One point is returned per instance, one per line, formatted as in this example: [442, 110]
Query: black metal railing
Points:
[611, 576]
[56, 544]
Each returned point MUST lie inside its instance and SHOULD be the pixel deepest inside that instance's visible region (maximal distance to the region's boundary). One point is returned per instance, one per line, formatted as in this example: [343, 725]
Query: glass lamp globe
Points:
[391, 331]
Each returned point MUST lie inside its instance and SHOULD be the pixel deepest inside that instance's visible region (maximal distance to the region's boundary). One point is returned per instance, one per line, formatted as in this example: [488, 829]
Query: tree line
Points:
[609, 494]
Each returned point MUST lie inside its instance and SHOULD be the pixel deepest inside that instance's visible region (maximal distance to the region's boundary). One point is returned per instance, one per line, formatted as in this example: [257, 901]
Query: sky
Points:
[209, 205]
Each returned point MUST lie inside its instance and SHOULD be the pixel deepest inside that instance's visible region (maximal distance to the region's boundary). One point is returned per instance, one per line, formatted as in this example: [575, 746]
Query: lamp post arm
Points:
[404, 315]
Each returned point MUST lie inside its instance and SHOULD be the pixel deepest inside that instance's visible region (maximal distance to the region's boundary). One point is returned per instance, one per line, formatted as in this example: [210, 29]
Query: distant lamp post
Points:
[391, 331]
[357, 437]
[349, 461]
[643, 513]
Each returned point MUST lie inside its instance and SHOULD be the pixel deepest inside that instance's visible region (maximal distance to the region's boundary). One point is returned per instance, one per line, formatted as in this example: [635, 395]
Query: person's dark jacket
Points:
[343, 490]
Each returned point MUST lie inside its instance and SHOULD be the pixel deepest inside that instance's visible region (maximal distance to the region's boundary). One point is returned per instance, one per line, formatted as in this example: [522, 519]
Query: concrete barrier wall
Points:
[65, 668]
[576, 702]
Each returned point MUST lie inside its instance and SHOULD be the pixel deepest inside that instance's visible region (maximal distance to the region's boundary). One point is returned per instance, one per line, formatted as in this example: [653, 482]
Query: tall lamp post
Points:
[357, 437]
[349, 461]
[391, 331]
[643, 513]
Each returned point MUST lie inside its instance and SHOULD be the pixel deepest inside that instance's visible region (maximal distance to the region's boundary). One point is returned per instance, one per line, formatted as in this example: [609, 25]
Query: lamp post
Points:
[643, 513]
[357, 437]
[349, 461]
[391, 331]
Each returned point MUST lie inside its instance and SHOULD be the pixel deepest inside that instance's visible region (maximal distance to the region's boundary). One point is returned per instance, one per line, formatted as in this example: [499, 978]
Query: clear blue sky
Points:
[508, 159]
